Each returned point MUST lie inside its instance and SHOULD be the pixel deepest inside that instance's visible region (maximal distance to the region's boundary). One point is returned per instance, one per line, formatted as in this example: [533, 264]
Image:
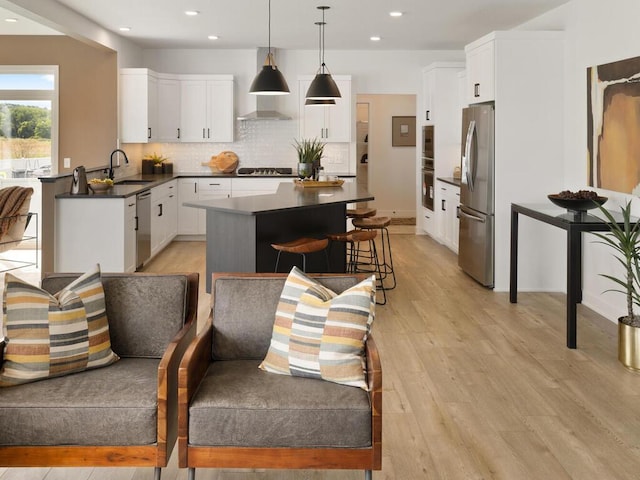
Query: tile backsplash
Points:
[264, 143]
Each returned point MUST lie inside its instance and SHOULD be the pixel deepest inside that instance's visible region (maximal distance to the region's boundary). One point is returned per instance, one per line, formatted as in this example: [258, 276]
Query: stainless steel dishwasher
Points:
[143, 228]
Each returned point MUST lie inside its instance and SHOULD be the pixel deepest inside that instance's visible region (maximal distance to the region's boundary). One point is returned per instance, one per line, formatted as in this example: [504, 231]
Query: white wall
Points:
[597, 32]
[391, 170]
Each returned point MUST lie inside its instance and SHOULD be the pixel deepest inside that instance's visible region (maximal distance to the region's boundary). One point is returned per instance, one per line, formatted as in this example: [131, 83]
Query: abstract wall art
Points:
[613, 126]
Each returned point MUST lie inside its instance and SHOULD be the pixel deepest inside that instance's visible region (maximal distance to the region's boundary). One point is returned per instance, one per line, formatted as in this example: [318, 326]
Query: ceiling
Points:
[424, 25]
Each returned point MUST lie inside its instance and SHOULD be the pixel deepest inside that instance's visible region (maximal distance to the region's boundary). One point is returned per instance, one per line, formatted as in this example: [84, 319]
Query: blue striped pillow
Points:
[319, 334]
[53, 335]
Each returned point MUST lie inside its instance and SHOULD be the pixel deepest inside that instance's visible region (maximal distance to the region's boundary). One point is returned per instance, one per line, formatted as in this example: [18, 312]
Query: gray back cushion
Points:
[144, 311]
[244, 309]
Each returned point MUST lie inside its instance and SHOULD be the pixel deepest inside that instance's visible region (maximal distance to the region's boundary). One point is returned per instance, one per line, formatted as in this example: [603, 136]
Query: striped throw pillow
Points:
[320, 334]
[53, 335]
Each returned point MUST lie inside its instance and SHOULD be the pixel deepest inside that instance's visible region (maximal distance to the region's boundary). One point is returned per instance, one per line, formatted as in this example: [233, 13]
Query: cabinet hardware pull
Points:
[443, 207]
[136, 229]
[160, 214]
[203, 133]
[208, 133]
[148, 132]
[195, 187]
[131, 204]
[427, 115]
[476, 89]
[178, 133]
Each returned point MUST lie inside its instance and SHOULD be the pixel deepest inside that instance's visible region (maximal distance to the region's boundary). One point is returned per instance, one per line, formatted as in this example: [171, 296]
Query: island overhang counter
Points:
[240, 230]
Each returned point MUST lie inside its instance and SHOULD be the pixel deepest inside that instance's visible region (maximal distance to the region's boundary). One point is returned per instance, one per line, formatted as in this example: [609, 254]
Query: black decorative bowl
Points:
[576, 204]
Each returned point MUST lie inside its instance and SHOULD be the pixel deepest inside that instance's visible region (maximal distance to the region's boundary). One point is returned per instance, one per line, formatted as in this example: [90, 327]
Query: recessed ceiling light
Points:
[375, 38]
[212, 37]
[11, 20]
[395, 14]
[191, 13]
[125, 29]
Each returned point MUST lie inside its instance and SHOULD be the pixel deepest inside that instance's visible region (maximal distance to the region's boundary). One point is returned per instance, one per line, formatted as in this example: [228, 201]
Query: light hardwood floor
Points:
[474, 387]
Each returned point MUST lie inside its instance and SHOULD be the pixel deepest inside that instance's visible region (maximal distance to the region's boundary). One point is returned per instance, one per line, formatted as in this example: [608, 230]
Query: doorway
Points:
[362, 144]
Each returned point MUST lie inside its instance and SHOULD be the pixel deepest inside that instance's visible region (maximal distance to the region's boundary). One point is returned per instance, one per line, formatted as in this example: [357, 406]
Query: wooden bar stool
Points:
[362, 212]
[370, 263]
[302, 246]
[380, 224]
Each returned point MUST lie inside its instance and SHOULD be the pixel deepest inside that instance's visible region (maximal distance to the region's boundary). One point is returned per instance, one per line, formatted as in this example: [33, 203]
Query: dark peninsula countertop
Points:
[121, 189]
[288, 197]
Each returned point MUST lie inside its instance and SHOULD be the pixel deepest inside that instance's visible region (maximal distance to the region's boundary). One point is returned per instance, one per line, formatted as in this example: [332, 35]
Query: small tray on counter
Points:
[317, 183]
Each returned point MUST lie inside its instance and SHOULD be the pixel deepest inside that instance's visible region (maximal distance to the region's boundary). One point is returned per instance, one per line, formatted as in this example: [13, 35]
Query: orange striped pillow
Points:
[320, 334]
[53, 335]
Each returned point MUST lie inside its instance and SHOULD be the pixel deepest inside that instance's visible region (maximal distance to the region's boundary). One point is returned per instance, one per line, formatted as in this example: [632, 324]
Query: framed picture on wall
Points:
[403, 131]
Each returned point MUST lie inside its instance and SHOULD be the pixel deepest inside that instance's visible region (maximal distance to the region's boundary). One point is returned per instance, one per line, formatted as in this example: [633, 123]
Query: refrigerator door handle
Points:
[464, 214]
[470, 161]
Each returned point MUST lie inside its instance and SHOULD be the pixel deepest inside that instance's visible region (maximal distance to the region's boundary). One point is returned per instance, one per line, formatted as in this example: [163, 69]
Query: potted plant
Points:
[154, 163]
[309, 155]
[625, 241]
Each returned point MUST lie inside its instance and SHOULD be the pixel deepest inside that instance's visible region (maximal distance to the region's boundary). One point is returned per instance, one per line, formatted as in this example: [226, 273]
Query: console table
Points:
[574, 223]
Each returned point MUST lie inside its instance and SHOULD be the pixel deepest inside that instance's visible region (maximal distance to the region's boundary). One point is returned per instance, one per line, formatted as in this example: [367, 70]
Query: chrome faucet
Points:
[117, 150]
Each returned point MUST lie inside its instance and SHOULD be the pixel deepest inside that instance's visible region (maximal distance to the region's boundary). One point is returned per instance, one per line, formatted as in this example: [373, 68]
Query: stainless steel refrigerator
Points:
[476, 241]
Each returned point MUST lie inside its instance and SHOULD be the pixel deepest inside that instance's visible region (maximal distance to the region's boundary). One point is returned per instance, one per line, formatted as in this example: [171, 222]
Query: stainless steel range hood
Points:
[266, 105]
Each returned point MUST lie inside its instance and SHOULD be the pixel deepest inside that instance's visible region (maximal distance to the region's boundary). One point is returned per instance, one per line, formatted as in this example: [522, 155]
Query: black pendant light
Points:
[313, 101]
[323, 86]
[269, 80]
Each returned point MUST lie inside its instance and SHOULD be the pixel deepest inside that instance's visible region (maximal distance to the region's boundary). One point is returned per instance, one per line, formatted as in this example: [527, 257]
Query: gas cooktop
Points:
[264, 171]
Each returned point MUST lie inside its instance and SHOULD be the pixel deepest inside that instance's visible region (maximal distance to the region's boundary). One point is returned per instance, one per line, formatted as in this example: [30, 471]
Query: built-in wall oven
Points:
[428, 166]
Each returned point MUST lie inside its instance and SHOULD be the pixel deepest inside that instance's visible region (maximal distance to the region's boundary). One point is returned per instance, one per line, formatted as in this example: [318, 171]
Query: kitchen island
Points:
[240, 231]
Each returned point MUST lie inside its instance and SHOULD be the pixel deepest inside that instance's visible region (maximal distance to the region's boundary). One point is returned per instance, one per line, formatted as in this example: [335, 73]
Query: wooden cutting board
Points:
[226, 162]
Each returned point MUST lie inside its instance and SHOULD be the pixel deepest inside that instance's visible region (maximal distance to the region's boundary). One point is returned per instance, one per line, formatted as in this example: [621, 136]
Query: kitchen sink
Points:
[133, 182]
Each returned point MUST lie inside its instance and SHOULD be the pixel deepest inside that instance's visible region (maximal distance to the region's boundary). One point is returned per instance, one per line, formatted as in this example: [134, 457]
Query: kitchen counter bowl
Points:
[576, 204]
[100, 187]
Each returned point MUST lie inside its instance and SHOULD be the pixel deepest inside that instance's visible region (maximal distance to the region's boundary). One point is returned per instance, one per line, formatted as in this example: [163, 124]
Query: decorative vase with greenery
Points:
[625, 241]
[309, 155]
[157, 163]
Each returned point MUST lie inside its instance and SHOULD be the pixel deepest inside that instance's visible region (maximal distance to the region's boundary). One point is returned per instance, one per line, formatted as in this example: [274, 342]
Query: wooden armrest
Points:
[168, 372]
[193, 367]
[374, 381]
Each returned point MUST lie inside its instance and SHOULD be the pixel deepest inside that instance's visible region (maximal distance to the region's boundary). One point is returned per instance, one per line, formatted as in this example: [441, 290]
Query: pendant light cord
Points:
[322, 27]
[269, 36]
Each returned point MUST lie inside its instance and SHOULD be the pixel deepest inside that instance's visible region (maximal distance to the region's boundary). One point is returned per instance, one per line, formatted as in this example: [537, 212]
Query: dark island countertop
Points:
[288, 197]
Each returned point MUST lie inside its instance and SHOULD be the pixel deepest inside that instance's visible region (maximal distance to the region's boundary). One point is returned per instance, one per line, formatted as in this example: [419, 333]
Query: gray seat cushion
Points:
[239, 405]
[115, 405]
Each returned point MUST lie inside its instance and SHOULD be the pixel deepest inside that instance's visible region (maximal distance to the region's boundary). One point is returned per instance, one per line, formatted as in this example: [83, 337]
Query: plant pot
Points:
[157, 168]
[305, 170]
[147, 166]
[629, 346]
[167, 167]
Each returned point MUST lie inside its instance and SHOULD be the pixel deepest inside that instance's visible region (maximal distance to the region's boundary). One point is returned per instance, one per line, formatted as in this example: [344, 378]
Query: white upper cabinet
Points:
[168, 124]
[329, 123]
[138, 105]
[481, 72]
[158, 107]
[206, 112]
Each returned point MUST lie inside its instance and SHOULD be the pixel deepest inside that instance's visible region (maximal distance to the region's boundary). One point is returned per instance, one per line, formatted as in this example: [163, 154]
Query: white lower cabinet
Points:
[95, 230]
[192, 221]
[245, 187]
[428, 221]
[163, 215]
[448, 224]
